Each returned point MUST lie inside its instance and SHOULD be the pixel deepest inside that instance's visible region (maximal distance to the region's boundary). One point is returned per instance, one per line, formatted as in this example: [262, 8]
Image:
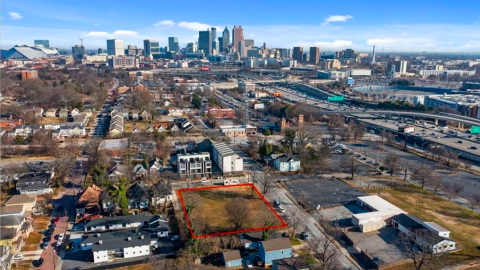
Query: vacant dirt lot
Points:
[208, 209]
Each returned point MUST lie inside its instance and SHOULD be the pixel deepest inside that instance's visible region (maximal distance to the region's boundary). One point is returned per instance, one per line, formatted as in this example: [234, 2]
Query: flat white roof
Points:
[380, 204]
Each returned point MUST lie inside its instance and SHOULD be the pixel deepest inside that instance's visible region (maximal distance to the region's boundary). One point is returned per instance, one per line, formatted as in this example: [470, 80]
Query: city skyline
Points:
[451, 27]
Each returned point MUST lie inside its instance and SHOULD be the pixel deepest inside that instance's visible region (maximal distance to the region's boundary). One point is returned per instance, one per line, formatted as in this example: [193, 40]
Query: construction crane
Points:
[81, 42]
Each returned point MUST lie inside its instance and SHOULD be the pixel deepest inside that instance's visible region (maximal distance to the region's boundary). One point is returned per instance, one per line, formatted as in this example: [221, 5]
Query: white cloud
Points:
[98, 34]
[168, 23]
[125, 33]
[382, 41]
[334, 44]
[337, 18]
[15, 16]
[194, 26]
[118, 33]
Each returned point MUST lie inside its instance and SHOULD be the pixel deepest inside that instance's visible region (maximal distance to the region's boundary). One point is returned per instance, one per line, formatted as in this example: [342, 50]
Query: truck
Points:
[406, 129]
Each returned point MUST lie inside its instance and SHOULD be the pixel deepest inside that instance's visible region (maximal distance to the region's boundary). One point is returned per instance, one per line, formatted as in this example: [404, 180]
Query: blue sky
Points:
[421, 25]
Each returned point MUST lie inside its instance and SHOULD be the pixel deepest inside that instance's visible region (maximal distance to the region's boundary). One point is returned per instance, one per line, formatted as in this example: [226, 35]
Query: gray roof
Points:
[31, 52]
[119, 220]
[258, 236]
[121, 239]
[3, 250]
[12, 220]
[232, 255]
[288, 158]
[8, 233]
[36, 187]
[276, 244]
[12, 209]
[408, 221]
[223, 149]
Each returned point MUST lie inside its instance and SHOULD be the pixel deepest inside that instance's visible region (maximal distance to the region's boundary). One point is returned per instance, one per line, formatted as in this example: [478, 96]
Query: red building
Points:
[221, 113]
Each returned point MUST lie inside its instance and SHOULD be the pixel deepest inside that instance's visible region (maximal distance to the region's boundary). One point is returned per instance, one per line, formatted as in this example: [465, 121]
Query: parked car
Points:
[304, 235]
[38, 262]
[282, 210]
[55, 220]
[45, 245]
[473, 147]
[60, 237]
[249, 264]
[460, 141]
[276, 202]
[19, 256]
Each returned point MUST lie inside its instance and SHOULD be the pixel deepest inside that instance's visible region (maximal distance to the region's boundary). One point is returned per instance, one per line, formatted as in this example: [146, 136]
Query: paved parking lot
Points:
[322, 193]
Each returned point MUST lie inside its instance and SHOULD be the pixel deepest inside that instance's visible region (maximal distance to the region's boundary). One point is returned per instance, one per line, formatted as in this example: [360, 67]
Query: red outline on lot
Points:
[179, 193]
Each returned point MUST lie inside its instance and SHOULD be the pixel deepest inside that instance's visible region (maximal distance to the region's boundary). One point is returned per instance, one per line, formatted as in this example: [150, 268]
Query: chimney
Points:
[100, 242]
[129, 238]
[142, 237]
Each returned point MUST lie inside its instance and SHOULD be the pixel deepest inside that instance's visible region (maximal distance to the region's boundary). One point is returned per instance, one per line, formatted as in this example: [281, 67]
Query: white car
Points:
[282, 210]
[18, 257]
[249, 264]
[60, 237]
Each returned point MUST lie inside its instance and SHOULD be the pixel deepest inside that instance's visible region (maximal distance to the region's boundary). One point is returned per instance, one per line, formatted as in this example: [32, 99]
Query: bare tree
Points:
[238, 212]
[435, 182]
[405, 167]
[446, 188]
[267, 181]
[420, 175]
[467, 165]
[418, 246]
[351, 164]
[476, 199]
[294, 223]
[324, 248]
[457, 188]
[391, 160]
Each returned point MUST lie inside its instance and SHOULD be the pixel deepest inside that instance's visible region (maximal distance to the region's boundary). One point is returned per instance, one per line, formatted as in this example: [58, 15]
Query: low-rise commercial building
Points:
[194, 165]
[239, 130]
[229, 162]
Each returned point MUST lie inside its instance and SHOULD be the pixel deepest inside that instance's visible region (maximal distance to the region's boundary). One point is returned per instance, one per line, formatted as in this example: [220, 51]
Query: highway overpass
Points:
[462, 120]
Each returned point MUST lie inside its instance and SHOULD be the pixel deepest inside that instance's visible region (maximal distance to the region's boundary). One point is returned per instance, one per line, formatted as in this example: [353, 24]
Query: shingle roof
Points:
[232, 255]
[5, 210]
[276, 244]
[11, 220]
[21, 199]
[408, 221]
[258, 236]
[118, 220]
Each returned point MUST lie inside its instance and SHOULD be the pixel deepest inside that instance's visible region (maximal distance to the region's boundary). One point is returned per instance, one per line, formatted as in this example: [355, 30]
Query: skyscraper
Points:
[173, 44]
[225, 40]
[78, 52]
[314, 55]
[242, 48]
[115, 47]
[298, 54]
[373, 57]
[205, 42]
[249, 42]
[42, 42]
[151, 47]
[100, 50]
[220, 44]
[237, 34]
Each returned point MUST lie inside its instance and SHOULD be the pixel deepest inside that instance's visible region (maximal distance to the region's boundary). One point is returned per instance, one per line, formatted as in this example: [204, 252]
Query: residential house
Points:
[27, 200]
[232, 258]
[5, 257]
[275, 249]
[63, 113]
[410, 225]
[287, 163]
[160, 193]
[134, 115]
[138, 196]
[51, 113]
[74, 112]
[296, 263]
[38, 112]
[114, 245]
[145, 115]
[36, 189]
[80, 119]
[186, 125]
[34, 183]
[88, 112]
[155, 165]
[124, 222]
[139, 171]
[23, 131]
[88, 201]
[117, 171]
[69, 131]
[251, 240]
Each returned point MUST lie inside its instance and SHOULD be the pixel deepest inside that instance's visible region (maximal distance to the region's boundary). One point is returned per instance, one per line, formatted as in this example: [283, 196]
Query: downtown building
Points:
[151, 47]
[205, 42]
[115, 47]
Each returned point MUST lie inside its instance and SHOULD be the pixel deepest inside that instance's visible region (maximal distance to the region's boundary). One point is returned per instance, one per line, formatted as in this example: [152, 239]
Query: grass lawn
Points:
[51, 120]
[209, 214]
[463, 224]
[295, 242]
[141, 125]
[33, 241]
[309, 257]
[142, 266]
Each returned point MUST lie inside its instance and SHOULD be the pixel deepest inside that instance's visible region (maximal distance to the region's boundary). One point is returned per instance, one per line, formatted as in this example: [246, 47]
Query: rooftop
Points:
[276, 244]
[232, 255]
[122, 239]
[380, 204]
[21, 199]
[408, 221]
[435, 226]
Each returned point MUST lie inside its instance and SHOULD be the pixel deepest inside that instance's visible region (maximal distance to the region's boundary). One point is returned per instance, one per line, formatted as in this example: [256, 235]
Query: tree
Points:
[265, 148]
[289, 139]
[324, 248]
[238, 211]
[295, 222]
[457, 188]
[405, 166]
[351, 164]
[435, 182]
[119, 194]
[476, 200]
[391, 160]
[196, 101]
[267, 132]
[420, 175]
[359, 131]
[267, 181]
[418, 246]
